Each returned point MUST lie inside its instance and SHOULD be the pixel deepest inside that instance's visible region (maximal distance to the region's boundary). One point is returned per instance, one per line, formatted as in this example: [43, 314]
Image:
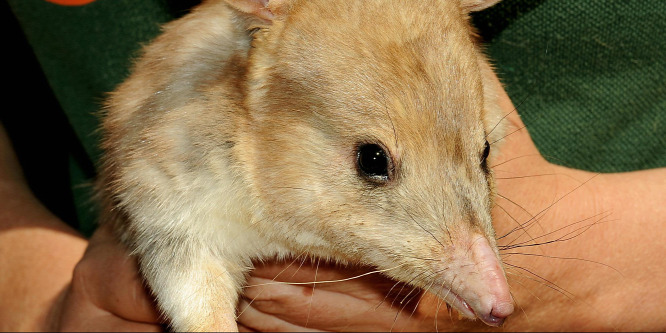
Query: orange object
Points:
[71, 2]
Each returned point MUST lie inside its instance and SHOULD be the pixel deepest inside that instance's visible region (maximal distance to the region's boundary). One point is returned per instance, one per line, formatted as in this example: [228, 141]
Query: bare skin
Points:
[622, 216]
[37, 251]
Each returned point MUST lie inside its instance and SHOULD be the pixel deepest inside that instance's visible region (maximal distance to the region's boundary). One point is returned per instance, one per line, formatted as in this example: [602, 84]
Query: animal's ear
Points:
[266, 10]
[476, 5]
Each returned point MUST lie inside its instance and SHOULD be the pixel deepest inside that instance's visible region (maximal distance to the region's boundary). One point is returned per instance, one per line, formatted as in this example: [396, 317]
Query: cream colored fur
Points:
[234, 139]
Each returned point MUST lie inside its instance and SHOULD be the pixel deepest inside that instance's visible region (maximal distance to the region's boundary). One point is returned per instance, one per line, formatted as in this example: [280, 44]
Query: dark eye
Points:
[373, 162]
[486, 152]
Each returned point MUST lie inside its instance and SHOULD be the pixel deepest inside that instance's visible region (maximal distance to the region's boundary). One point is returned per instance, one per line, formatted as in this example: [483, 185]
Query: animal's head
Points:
[369, 127]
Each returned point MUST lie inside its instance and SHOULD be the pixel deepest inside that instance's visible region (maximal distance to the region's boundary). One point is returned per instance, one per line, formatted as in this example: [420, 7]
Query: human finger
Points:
[363, 282]
[336, 309]
[251, 319]
[109, 278]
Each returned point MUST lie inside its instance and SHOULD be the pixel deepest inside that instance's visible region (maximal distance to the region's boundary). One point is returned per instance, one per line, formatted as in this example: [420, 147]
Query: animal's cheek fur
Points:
[312, 195]
[300, 178]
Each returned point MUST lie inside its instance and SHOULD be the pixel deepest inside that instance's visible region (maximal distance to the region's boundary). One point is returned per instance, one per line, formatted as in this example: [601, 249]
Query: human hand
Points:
[106, 292]
[343, 299]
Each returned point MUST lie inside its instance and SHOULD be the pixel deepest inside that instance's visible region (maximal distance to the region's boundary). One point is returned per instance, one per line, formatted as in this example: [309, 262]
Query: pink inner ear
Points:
[257, 8]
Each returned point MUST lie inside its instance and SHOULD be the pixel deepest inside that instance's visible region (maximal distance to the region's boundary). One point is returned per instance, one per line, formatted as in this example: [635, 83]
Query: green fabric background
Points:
[588, 77]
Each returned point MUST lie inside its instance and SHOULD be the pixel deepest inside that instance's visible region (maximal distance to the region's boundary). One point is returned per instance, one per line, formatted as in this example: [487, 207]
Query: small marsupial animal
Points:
[353, 131]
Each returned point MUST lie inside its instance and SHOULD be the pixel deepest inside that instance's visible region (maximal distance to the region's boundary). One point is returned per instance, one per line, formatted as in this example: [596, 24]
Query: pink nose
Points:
[497, 315]
[496, 303]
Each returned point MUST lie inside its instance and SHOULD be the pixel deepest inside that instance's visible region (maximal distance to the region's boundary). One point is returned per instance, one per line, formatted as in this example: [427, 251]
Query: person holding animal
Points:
[106, 292]
[569, 207]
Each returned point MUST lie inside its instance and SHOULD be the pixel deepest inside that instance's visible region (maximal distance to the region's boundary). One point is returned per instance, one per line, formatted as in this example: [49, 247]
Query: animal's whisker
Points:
[307, 320]
[426, 278]
[522, 309]
[513, 298]
[566, 237]
[521, 275]
[329, 281]
[554, 158]
[421, 295]
[387, 294]
[564, 258]
[546, 282]
[502, 119]
[532, 176]
[549, 284]
[520, 226]
[405, 300]
[403, 304]
[515, 109]
[274, 278]
[408, 283]
[555, 202]
[299, 266]
[510, 133]
[290, 264]
[555, 231]
[421, 226]
[525, 226]
[448, 306]
[419, 258]
[440, 301]
[514, 159]
[394, 286]
[516, 176]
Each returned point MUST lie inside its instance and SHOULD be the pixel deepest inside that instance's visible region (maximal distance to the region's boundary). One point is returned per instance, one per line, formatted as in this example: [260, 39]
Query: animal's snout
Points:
[483, 291]
[497, 315]
[491, 290]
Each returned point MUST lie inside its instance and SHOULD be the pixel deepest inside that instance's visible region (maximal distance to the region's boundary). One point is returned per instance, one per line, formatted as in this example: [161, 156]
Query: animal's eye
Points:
[486, 152]
[373, 162]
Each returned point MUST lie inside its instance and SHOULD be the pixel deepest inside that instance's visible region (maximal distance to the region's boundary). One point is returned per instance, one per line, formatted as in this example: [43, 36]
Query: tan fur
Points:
[227, 145]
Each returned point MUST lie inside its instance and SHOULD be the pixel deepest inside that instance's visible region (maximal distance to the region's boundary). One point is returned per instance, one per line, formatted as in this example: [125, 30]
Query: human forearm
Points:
[37, 251]
[37, 263]
[635, 241]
